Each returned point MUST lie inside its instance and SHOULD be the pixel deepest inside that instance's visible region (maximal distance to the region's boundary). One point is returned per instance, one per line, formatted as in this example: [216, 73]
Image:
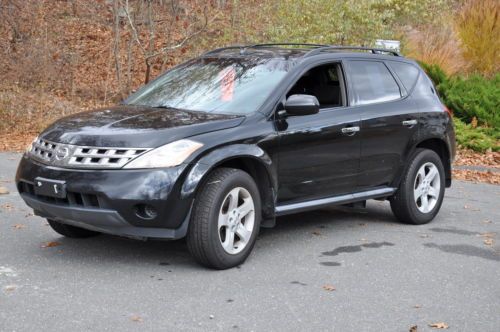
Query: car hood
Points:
[135, 126]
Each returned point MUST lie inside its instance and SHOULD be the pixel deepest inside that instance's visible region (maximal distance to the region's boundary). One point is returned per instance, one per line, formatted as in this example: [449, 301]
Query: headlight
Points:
[168, 155]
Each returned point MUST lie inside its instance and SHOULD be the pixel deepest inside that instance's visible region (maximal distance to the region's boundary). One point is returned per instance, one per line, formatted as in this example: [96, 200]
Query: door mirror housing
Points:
[302, 105]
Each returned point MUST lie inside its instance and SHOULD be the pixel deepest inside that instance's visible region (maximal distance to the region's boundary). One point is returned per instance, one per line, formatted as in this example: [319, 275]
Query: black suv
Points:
[221, 145]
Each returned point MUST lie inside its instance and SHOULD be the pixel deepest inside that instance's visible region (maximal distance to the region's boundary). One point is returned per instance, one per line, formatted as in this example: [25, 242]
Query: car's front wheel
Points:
[70, 231]
[225, 220]
[420, 193]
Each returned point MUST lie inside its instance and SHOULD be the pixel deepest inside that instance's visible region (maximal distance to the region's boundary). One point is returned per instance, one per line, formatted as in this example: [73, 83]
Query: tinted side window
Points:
[407, 73]
[372, 82]
[324, 83]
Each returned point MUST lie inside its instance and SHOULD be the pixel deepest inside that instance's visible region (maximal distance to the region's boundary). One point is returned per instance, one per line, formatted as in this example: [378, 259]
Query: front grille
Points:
[72, 199]
[103, 157]
[76, 156]
[43, 149]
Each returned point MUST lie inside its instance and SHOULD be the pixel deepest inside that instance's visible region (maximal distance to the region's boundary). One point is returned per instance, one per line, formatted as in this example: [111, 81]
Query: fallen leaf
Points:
[417, 306]
[439, 325]
[136, 318]
[50, 244]
[413, 328]
[472, 158]
[329, 288]
[8, 207]
[19, 226]
[10, 288]
[4, 191]
[477, 176]
[473, 122]
[488, 242]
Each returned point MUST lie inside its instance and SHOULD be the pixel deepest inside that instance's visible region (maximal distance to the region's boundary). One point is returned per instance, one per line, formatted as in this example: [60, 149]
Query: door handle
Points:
[409, 123]
[350, 130]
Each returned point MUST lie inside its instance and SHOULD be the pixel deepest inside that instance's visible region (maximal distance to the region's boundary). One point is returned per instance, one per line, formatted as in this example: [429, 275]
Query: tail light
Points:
[447, 110]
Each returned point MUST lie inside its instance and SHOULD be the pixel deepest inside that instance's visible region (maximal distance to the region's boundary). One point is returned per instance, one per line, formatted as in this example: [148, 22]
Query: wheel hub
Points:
[234, 220]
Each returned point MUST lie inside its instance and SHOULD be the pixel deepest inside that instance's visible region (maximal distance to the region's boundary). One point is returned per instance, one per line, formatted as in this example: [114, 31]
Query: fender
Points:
[220, 155]
[421, 142]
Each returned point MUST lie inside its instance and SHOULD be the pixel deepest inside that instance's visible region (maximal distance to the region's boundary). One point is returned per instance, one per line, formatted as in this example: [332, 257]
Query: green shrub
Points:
[478, 139]
[436, 74]
[473, 97]
[468, 97]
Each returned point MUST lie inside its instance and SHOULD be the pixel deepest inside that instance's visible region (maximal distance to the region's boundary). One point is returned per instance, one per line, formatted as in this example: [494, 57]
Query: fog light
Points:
[145, 211]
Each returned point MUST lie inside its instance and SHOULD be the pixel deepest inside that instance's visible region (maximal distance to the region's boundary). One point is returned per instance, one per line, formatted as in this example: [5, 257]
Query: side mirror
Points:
[302, 105]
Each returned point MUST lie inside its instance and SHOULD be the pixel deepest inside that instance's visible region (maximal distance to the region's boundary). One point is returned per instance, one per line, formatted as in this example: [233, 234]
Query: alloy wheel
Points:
[427, 187]
[236, 220]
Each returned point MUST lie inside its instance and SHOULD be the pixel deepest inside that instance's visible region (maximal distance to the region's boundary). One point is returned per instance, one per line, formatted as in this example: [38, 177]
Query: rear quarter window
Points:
[372, 82]
[407, 73]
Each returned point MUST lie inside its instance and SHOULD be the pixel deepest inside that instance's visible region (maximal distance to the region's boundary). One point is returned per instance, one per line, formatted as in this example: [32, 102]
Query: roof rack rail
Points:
[316, 48]
[356, 48]
[242, 48]
[287, 44]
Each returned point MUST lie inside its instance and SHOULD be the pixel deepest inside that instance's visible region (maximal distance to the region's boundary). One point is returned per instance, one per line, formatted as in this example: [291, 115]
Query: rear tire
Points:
[226, 219]
[71, 231]
[421, 191]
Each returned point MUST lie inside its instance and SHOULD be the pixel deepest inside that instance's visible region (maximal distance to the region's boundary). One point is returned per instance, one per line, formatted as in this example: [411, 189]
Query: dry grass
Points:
[467, 42]
[436, 45]
[477, 25]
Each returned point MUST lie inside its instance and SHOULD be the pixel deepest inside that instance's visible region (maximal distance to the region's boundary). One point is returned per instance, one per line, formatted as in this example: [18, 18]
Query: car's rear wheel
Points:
[420, 193]
[225, 220]
[70, 231]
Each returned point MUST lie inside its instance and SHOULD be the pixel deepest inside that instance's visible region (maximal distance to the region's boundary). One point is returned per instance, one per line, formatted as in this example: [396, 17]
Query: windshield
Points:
[218, 85]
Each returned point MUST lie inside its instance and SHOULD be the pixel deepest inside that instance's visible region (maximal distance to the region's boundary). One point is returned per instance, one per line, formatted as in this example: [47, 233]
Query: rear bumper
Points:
[107, 200]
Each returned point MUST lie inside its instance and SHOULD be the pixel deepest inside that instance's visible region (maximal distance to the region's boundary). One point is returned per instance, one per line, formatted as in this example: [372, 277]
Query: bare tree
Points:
[173, 19]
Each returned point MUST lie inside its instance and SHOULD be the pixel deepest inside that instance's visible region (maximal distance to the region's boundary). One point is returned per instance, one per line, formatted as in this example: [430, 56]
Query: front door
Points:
[319, 153]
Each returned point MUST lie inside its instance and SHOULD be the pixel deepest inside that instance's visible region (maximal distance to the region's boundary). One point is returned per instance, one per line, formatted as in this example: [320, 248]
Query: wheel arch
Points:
[249, 158]
[439, 146]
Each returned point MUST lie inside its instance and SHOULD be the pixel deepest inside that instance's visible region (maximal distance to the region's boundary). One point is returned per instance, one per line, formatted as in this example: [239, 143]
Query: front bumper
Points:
[107, 200]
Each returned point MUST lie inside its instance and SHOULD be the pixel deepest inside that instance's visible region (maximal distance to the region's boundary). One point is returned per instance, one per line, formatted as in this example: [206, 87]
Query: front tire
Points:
[71, 231]
[421, 191]
[225, 220]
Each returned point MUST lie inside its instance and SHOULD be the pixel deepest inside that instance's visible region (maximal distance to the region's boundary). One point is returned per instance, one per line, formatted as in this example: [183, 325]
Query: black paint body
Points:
[299, 162]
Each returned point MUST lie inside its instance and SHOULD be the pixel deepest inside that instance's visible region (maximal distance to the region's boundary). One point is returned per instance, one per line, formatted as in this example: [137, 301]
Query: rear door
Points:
[388, 121]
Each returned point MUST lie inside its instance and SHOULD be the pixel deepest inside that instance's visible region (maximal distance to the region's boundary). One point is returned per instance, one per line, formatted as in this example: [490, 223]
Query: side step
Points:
[336, 200]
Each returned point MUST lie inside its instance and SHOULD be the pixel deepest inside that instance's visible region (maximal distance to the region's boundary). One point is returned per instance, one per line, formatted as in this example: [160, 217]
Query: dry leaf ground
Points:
[451, 274]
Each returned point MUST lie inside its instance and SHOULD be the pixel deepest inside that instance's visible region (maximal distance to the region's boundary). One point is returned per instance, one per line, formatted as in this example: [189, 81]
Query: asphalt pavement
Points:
[330, 270]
